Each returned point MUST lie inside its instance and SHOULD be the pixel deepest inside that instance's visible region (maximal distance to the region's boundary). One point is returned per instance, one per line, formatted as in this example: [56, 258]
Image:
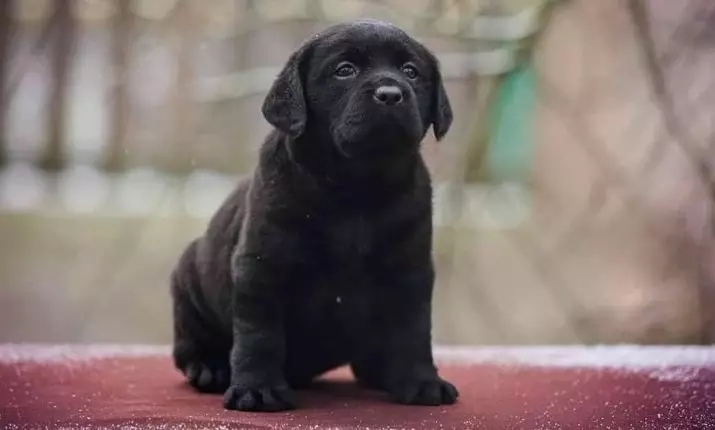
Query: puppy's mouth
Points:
[374, 131]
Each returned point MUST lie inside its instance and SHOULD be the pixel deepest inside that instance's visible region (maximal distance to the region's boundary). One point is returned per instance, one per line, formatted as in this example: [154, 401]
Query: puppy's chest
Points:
[340, 293]
[348, 240]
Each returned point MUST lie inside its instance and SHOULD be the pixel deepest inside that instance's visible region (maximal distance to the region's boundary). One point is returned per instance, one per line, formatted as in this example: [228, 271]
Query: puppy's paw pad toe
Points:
[207, 378]
[264, 399]
[430, 393]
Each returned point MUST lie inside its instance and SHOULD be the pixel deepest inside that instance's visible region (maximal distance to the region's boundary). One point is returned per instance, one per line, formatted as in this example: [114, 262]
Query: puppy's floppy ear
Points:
[284, 106]
[440, 106]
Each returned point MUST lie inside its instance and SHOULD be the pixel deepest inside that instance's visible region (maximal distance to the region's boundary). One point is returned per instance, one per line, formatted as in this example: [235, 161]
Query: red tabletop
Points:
[501, 388]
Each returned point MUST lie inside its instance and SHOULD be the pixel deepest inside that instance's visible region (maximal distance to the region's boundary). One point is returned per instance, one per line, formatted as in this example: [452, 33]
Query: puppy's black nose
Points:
[388, 95]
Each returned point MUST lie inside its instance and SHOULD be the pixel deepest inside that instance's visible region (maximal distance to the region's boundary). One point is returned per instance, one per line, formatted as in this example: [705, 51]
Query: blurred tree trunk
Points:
[182, 134]
[5, 37]
[243, 36]
[119, 123]
[64, 29]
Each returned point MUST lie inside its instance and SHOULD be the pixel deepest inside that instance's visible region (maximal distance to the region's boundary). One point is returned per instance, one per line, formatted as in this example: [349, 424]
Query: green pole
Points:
[510, 150]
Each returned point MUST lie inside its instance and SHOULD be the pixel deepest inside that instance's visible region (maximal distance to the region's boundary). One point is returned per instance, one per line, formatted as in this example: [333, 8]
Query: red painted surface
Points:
[146, 392]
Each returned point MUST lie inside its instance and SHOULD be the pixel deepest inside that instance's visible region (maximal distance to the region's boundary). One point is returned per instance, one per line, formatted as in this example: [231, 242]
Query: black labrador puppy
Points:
[323, 256]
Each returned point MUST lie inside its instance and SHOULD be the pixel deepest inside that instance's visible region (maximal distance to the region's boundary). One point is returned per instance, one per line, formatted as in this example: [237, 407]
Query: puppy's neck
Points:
[319, 162]
[333, 167]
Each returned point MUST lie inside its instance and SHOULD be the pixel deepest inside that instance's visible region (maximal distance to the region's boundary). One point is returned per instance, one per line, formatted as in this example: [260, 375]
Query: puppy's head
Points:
[365, 86]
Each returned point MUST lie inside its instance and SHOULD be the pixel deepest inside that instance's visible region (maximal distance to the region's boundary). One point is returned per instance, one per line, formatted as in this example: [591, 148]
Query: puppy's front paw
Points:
[258, 399]
[431, 392]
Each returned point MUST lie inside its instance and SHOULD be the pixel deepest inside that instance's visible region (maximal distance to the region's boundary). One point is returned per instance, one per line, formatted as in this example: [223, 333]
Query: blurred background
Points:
[573, 197]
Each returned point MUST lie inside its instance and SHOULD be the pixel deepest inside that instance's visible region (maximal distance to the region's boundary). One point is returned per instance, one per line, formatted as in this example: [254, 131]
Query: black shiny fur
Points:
[323, 256]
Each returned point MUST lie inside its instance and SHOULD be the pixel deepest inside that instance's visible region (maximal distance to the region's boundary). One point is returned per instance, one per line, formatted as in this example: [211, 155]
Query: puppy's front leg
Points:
[411, 376]
[258, 353]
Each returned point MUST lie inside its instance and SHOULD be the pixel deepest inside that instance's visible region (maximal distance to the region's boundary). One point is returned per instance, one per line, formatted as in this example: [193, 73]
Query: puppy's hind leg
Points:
[198, 353]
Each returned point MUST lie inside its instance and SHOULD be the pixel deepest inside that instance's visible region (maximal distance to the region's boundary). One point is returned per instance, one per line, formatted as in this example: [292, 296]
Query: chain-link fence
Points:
[572, 193]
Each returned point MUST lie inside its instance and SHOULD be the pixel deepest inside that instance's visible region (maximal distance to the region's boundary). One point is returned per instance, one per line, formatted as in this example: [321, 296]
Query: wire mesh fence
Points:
[572, 195]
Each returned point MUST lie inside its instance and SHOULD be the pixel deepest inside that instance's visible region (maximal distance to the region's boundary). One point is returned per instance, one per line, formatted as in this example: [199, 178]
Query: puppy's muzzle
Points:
[381, 114]
[388, 95]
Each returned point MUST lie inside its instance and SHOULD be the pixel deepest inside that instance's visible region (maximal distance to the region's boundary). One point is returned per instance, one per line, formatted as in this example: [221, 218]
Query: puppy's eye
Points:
[345, 70]
[410, 71]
